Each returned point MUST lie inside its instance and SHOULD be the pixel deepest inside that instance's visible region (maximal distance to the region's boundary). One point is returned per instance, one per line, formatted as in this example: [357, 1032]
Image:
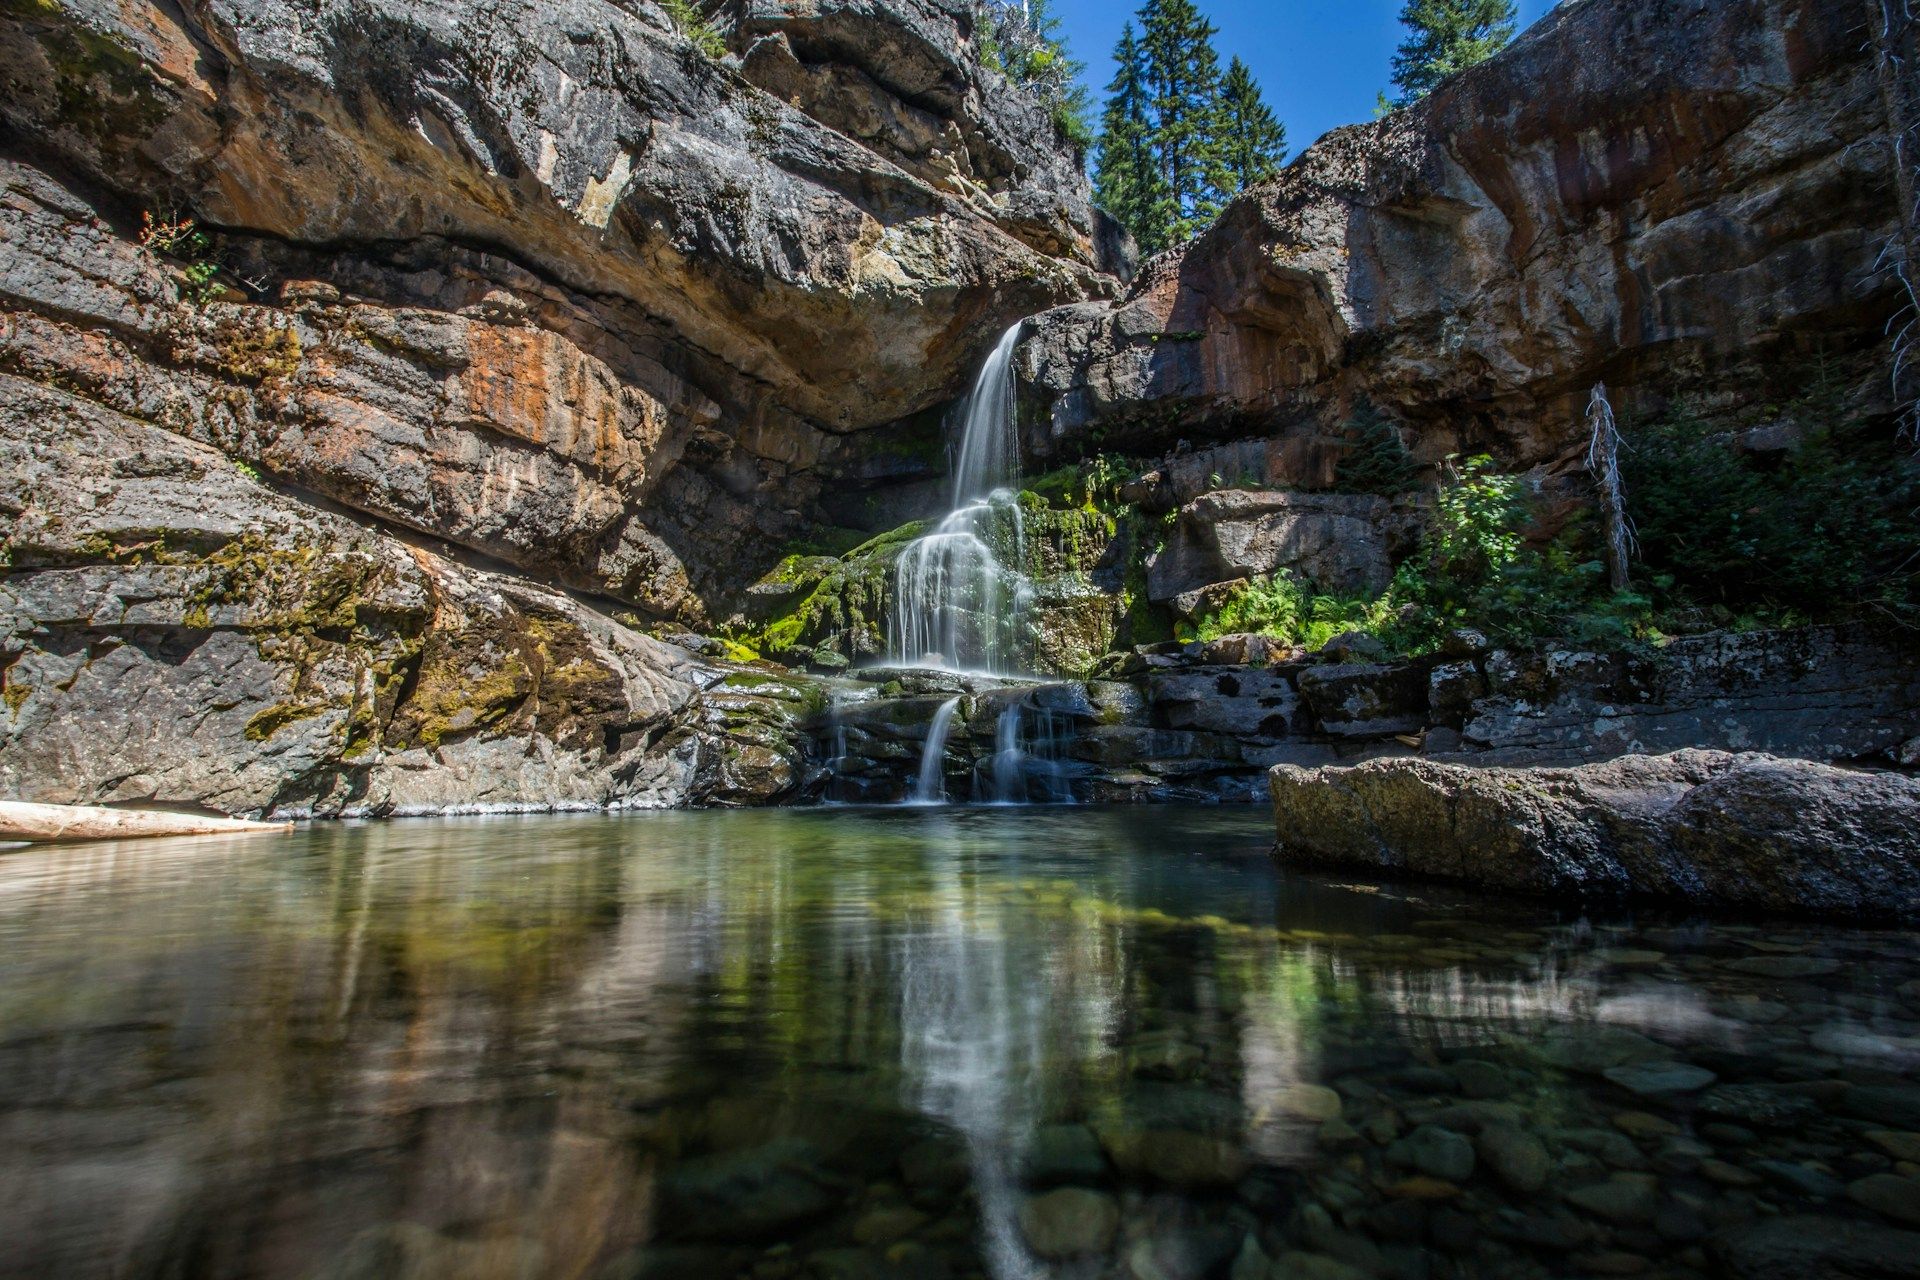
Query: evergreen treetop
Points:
[1177, 138]
[1445, 36]
[1251, 141]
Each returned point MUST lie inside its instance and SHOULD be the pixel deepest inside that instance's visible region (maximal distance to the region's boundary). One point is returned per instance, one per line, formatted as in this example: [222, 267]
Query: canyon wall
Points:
[370, 372]
[1677, 198]
[380, 372]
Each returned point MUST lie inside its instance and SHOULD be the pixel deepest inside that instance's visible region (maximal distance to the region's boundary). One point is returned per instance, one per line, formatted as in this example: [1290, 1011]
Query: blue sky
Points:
[1320, 63]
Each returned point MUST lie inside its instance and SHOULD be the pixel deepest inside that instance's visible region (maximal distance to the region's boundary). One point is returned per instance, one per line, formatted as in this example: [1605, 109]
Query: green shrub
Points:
[1826, 529]
[693, 25]
[1289, 610]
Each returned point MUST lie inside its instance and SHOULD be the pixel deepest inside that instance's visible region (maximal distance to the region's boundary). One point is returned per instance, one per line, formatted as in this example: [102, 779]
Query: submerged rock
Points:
[1706, 827]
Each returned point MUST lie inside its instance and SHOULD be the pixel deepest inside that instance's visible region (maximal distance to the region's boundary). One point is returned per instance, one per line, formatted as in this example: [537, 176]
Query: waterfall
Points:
[1027, 767]
[960, 597]
[932, 788]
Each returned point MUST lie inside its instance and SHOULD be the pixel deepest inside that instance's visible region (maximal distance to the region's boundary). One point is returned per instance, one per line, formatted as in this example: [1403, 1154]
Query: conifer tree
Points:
[1250, 141]
[1445, 36]
[1126, 177]
[1183, 75]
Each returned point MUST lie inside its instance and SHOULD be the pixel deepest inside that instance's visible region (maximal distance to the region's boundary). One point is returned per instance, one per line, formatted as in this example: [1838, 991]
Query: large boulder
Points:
[1706, 827]
[1339, 542]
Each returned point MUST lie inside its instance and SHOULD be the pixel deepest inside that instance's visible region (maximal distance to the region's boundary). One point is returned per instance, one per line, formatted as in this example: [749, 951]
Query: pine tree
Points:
[1126, 177]
[1183, 75]
[1445, 36]
[1250, 142]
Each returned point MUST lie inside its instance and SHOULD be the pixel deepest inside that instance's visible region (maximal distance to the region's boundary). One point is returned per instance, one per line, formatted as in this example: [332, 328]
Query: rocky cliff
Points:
[541, 278]
[1674, 197]
[381, 370]
[340, 341]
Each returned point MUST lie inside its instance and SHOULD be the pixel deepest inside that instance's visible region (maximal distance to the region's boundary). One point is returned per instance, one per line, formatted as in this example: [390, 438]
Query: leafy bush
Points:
[1826, 528]
[1475, 568]
[1022, 42]
[1289, 610]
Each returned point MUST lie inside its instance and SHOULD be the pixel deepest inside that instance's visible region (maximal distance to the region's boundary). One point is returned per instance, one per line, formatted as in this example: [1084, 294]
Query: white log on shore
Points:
[50, 822]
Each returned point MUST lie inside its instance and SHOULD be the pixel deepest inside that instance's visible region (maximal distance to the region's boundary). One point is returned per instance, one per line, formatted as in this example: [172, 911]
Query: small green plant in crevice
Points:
[1289, 610]
[181, 239]
[693, 24]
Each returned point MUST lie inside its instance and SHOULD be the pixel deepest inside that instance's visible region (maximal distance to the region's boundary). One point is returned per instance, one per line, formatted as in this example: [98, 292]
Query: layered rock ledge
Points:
[1706, 828]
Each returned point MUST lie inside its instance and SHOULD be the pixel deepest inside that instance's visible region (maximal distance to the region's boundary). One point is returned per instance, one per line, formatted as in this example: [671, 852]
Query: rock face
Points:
[173, 630]
[1705, 827]
[1669, 196]
[1339, 542]
[530, 277]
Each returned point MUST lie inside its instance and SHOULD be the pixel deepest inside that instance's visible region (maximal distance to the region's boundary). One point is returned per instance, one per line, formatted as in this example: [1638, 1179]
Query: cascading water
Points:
[1027, 766]
[931, 787]
[960, 596]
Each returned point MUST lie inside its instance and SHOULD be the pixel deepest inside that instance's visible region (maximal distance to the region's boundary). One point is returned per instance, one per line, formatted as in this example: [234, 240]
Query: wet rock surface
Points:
[1710, 828]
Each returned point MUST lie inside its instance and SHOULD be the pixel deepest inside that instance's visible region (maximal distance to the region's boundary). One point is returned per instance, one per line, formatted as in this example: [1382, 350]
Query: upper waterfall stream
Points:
[960, 592]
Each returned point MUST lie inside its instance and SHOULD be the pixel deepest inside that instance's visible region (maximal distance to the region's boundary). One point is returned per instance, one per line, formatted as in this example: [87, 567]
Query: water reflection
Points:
[905, 1043]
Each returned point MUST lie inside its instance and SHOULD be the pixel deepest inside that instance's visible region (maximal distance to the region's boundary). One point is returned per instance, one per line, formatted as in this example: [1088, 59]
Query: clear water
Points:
[913, 1043]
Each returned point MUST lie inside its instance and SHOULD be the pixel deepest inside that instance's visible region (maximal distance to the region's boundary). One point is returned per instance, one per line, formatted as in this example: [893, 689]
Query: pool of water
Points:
[918, 1043]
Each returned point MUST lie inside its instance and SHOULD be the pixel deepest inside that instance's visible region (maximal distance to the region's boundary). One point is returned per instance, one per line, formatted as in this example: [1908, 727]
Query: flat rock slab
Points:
[1711, 828]
[71, 822]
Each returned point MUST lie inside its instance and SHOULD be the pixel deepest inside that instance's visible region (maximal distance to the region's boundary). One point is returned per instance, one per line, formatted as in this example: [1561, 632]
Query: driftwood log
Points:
[47, 822]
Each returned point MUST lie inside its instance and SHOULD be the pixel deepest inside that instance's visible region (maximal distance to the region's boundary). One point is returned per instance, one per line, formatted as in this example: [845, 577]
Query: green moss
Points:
[271, 720]
[15, 696]
[256, 351]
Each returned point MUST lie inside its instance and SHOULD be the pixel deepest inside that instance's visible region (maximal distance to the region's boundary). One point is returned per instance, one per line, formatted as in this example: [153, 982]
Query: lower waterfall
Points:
[932, 785]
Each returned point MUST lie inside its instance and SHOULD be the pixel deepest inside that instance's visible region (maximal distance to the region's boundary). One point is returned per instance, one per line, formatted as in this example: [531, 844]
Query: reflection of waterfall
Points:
[971, 1040]
[960, 596]
[932, 786]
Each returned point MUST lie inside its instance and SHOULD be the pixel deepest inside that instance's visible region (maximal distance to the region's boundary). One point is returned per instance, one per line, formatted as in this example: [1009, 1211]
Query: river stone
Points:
[750, 1194]
[1756, 1104]
[1888, 1194]
[1624, 1199]
[1785, 966]
[1440, 1153]
[886, 1223]
[1313, 1102]
[1515, 1156]
[1660, 1079]
[1596, 1050]
[1313, 1266]
[1482, 1080]
[1891, 1105]
[1817, 1248]
[1063, 1153]
[1176, 1156]
[1804, 1179]
[1901, 1146]
[1068, 1222]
